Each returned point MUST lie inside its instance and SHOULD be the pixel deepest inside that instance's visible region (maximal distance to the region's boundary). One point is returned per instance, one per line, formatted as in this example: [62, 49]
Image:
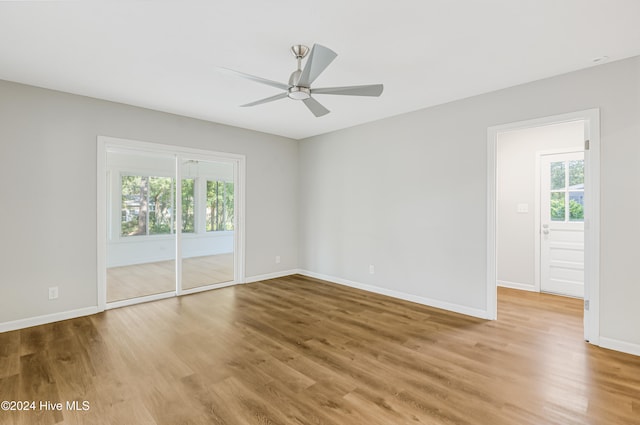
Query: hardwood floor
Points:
[299, 351]
[138, 280]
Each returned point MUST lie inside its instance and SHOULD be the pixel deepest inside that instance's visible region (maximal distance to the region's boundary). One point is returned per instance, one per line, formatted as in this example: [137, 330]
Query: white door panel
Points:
[569, 254]
[566, 271]
[562, 224]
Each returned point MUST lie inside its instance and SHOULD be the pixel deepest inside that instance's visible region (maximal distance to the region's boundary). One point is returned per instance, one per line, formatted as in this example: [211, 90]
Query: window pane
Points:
[219, 206]
[212, 206]
[557, 175]
[576, 174]
[557, 206]
[160, 203]
[134, 205]
[576, 206]
[228, 206]
[188, 206]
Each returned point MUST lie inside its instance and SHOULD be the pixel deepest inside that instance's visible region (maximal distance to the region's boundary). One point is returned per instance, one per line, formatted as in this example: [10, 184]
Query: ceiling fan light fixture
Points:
[299, 93]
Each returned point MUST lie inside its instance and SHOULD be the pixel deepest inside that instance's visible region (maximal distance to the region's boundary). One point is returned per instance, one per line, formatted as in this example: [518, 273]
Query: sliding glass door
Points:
[141, 225]
[208, 222]
[171, 223]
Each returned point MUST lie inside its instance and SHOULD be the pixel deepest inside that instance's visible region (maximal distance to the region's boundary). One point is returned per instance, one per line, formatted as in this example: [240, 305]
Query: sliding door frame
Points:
[106, 144]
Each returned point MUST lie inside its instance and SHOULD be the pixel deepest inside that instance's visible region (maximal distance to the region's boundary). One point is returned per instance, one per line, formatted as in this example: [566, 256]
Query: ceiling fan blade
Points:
[369, 90]
[319, 59]
[267, 99]
[315, 107]
[256, 79]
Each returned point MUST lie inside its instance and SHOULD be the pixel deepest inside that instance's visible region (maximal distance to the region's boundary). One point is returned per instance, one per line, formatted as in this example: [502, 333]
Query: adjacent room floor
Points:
[139, 280]
[297, 350]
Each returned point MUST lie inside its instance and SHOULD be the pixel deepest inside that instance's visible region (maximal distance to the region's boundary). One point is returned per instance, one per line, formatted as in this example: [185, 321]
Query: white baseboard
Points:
[138, 300]
[273, 275]
[625, 347]
[47, 318]
[456, 308]
[517, 285]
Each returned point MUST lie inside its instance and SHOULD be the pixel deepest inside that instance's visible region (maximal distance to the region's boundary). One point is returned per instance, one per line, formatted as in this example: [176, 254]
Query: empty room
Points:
[300, 212]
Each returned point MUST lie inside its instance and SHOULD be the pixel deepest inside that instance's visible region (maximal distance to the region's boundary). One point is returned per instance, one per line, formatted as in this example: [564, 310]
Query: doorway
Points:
[520, 209]
[170, 221]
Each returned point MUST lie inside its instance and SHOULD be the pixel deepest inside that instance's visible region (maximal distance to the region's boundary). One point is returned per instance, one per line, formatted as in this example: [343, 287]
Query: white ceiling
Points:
[163, 54]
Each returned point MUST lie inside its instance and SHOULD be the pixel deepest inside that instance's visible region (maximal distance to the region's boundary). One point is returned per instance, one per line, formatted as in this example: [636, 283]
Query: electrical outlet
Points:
[372, 269]
[277, 259]
[53, 293]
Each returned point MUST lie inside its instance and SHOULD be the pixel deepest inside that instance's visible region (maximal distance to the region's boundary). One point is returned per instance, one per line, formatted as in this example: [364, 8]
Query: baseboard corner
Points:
[267, 276]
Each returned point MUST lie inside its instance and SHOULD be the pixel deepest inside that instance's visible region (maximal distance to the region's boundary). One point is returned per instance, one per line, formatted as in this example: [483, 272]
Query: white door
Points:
[562, 224]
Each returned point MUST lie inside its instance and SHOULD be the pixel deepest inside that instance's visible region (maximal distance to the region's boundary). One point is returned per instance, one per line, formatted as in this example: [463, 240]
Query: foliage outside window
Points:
[146, 205]
[220, 206]
[571, 193]
[188, 206]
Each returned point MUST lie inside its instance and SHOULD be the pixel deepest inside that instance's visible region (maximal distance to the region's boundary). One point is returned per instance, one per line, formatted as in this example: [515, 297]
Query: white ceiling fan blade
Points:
[319, 59]
[271, 83]
[368, 90]
[267, 99]
[315, 107]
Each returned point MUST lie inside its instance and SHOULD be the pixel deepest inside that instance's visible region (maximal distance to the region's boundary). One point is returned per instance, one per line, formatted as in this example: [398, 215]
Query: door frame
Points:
[105, 143]
[592, 213]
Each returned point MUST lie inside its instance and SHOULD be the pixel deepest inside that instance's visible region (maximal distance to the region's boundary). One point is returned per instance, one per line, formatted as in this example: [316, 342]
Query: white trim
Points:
[517, 285]
[102, 190]
[274, 275]
[138, 300]
[178, 160]
[624, 346]
[592, 227]
[492, 188]
[47, 318]
[456, 308]
[592, 212]
[239, 213]
[208, 287]
[537, 223]
[127, 145]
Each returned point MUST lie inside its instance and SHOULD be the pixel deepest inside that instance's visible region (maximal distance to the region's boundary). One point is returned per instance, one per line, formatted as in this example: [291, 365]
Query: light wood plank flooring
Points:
[138, 280]
[299, 351]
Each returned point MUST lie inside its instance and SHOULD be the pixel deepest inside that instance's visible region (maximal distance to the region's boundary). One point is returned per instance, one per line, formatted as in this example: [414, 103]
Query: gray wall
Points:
[408, 193]
[48, 191]
[516, 182]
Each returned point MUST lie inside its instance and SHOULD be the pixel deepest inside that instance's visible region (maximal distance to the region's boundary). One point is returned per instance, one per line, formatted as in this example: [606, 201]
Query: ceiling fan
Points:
[299, 86]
